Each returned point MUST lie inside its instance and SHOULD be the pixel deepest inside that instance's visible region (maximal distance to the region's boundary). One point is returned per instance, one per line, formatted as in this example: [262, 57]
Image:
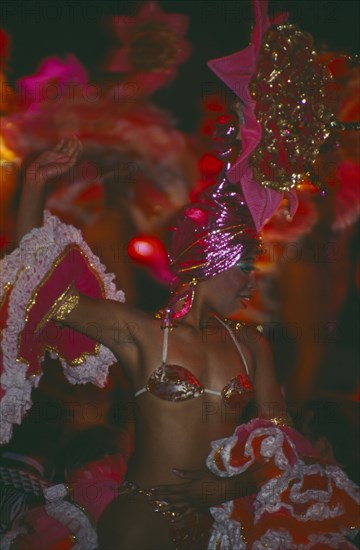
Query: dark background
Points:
[42, 28]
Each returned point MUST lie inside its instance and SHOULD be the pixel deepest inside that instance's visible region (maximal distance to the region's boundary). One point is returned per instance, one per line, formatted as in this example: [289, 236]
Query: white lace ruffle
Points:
[268, 499]
[24, 269]
[274, 540]
[71, 516]
[226, 533]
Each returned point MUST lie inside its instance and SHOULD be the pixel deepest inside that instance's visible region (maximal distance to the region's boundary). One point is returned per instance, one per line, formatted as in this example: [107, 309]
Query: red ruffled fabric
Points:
[303, 503]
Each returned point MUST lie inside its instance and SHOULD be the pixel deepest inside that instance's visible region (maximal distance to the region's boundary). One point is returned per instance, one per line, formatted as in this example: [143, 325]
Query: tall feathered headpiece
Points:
[284, 89]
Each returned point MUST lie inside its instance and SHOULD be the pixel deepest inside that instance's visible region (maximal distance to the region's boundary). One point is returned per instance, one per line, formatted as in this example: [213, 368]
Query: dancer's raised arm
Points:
[98, 319]
[46, 166]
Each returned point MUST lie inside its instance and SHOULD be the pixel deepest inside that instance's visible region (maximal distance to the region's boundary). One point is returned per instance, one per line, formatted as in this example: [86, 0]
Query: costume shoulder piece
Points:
[50, 262]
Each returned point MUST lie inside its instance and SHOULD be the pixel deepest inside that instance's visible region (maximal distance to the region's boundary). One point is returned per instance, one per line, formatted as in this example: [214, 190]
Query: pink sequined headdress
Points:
[210, 236]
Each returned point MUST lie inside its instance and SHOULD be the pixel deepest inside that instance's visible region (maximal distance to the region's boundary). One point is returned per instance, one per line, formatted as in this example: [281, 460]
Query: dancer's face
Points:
[232, 289]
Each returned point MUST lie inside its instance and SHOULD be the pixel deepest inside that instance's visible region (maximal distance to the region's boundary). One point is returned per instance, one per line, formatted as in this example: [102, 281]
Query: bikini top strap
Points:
[165, 346]
[163, 357]
[236, 342]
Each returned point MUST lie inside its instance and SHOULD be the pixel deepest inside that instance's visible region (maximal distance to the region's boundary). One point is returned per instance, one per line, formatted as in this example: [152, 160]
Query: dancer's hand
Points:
[201, 490]
[54, 162]
[46, 166]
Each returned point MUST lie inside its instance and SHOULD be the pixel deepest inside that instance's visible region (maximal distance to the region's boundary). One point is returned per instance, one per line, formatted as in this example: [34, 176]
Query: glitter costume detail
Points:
[176, 383]
[212, 234]
[189, 533]
[68, 303]
[302, 504]
[237, 70]
[287, 112]
[48, 261]
[291, 90]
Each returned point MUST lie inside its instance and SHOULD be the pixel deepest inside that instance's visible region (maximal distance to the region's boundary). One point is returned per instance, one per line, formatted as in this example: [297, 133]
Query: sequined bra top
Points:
[176, 383]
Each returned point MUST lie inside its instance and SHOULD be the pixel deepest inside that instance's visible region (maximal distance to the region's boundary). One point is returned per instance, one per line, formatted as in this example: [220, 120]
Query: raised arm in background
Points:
[48, 165]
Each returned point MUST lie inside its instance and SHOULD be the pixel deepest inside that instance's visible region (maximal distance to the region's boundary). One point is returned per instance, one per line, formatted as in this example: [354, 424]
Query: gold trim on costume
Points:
[281, 420]
[52, 310]
[242, 534]
[33, 299]
[6, 288]
[82, 358]
[78, 360]
[64, 305]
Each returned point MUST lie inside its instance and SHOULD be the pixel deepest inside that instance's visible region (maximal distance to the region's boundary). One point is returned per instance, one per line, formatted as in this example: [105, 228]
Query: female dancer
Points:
[191, 383]
[204, 354]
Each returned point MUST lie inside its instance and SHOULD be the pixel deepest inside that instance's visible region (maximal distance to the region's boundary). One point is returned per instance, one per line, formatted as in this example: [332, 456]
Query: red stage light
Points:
[149, 251]
[210, 165]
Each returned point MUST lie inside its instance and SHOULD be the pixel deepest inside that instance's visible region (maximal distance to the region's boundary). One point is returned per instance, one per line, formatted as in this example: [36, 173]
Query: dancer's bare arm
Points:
[119, 327]
[44, 168]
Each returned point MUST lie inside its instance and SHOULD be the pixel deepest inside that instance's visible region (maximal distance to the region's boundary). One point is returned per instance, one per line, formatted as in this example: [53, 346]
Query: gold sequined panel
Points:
[69, 249]
[292, 94]
[51, 314]
[284, 420]
[68, 302]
